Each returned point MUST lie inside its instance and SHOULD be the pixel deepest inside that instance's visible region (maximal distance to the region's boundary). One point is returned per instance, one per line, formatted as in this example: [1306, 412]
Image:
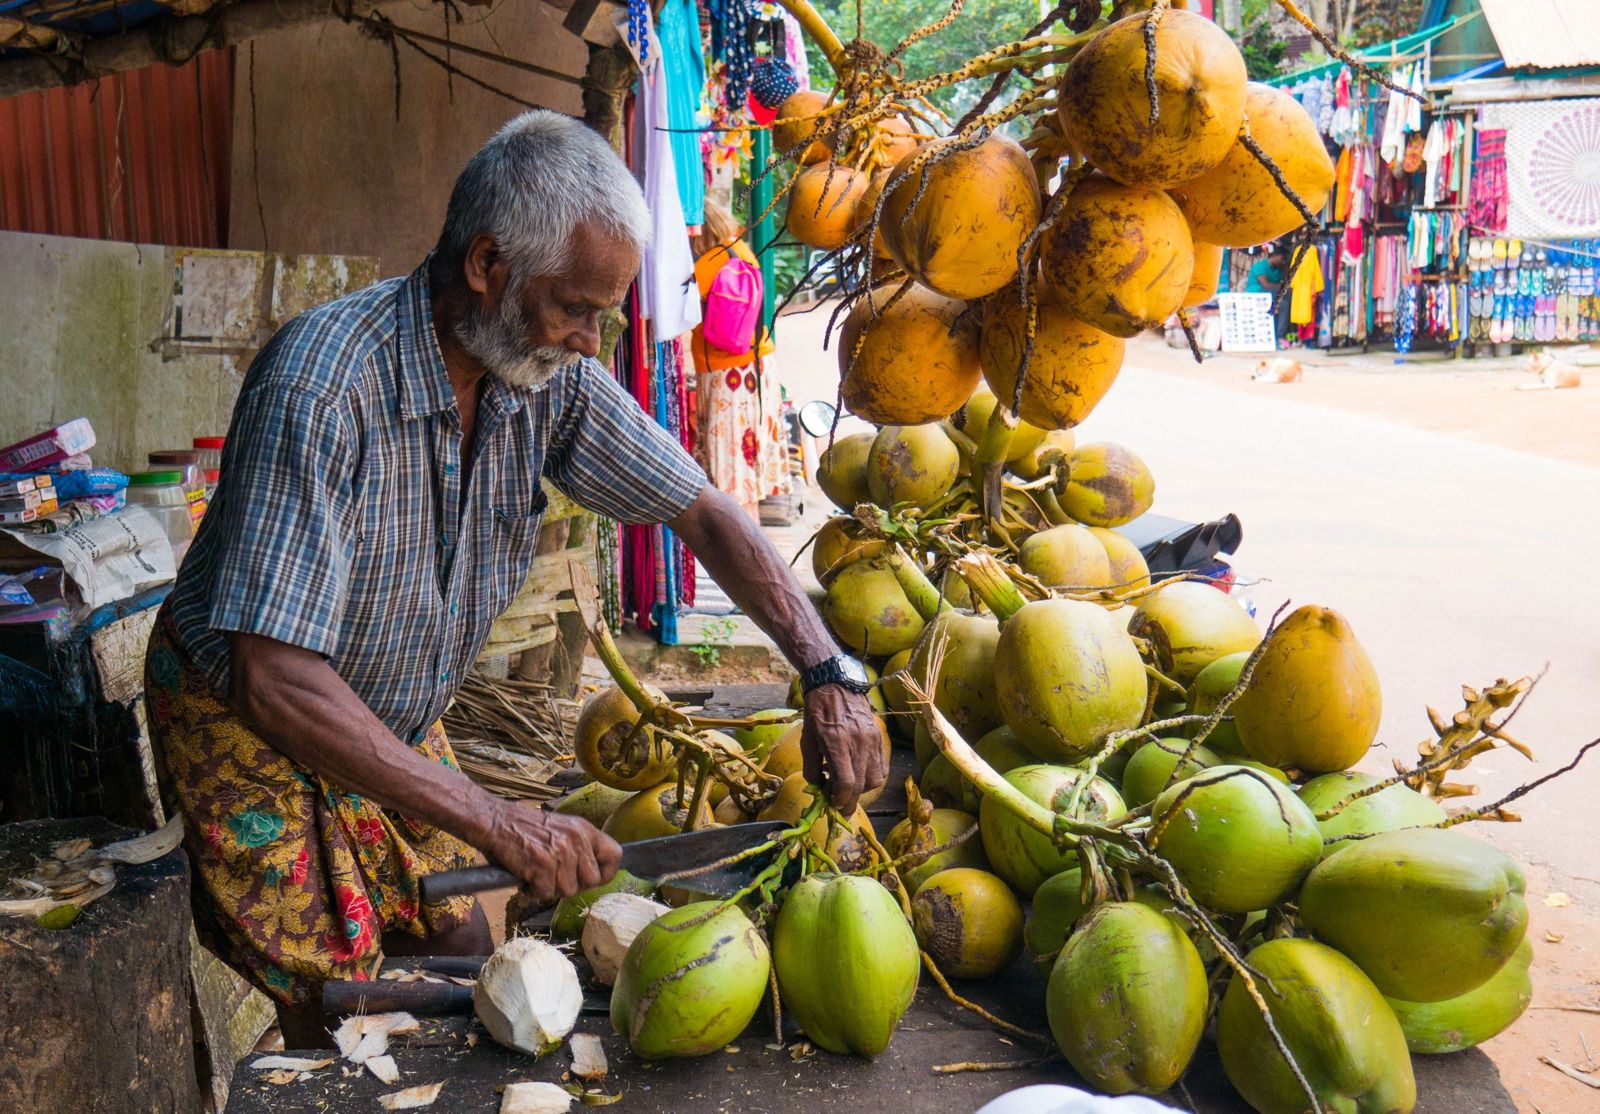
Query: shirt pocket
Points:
[514, 536]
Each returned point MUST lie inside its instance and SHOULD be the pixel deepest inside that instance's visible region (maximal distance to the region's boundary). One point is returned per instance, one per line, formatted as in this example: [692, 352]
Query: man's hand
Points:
[842, 741]
[554, 854]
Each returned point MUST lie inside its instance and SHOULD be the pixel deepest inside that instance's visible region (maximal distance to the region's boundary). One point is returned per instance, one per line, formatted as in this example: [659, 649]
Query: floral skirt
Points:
[743, 444]
[295, 881]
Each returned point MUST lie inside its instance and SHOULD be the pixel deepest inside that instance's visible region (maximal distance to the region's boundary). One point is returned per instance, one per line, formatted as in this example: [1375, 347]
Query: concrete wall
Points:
[89, 328]
[338, 173]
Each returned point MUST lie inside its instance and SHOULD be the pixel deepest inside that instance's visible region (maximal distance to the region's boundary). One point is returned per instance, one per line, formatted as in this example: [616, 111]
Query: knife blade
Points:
[648, 859]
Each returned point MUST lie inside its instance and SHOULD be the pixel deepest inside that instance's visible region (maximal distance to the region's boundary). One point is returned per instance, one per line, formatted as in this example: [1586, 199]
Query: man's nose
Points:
[585, 341]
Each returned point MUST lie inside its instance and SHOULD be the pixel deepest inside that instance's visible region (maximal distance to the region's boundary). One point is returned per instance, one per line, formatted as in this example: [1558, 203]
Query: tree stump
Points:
[95, 1017]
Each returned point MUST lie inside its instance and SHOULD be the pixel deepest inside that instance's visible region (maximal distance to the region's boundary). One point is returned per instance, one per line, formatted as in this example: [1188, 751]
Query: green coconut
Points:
[915, 839]
[1127, 999]
[690, 982]
[1066, 556]
[1192, 625]
[1338, 1027]
[842, 470]
[1313, 702]
[758, 739]
[1023, 856]
[913, 464]
[1238, 839]
[1432, 1028]
[1210, 685]
[566, 921]
[1057, 907]
[1151, 767]
[846, 960]
[593, 802]
[1389, 810]
[869, 612]
[964, 690]
[1428, 914]
[969, 921]
[1067, 675]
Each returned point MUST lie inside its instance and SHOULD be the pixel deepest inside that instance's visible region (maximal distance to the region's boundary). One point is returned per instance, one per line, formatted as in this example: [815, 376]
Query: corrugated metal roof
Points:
[1545, 33]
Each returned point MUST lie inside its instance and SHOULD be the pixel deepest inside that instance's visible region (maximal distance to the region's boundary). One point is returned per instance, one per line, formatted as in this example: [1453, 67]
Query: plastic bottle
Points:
[162, 493]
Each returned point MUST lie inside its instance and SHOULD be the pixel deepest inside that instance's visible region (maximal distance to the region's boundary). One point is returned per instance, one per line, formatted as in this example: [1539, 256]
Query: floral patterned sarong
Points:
[295, 880]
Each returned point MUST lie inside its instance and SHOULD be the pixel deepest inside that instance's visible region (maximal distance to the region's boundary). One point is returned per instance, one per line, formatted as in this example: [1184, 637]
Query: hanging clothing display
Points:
[666, 278]
[683, 65]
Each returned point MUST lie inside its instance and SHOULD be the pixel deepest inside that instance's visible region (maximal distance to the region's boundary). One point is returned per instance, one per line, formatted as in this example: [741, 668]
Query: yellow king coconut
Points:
[611, 747]
[1066, 557]
[1200, 84]
[1207, 274]
[798, 118]
[978, 206]
[1119, 257]
[1129, 570]
[909, 369]
[1056, 446]
[867, 205]
[1313, 701]
[1238, 204]
[973, 420]
[1072, 366]
[822, 204]
[969, 921]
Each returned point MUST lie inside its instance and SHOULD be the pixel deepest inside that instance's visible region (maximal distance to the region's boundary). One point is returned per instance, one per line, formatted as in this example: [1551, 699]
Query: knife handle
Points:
[430, 999]
[471, 880]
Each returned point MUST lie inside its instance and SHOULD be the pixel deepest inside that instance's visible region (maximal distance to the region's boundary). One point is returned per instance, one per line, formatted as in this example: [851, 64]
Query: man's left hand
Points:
[842, 741]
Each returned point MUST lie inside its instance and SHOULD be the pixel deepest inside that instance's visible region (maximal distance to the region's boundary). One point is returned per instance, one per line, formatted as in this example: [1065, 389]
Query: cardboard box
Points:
[50, 447]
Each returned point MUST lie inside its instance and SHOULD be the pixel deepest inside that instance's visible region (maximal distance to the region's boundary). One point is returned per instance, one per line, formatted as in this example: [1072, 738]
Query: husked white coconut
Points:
[528, 995]
[534, 1098]
[610, 926]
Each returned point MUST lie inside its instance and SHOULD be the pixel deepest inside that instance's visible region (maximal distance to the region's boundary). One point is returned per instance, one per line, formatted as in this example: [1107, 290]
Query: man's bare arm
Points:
[295, 701]
[842, 740]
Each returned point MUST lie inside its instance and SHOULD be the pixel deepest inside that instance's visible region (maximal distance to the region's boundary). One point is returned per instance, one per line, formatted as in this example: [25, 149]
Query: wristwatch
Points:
[841, 669]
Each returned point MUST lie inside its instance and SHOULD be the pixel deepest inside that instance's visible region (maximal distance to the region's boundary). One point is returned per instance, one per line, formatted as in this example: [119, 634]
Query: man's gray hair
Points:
[531, 186]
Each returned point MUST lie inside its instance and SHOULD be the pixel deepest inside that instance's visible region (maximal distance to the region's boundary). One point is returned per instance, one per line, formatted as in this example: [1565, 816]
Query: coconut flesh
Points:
[527, 995]
[610, 927]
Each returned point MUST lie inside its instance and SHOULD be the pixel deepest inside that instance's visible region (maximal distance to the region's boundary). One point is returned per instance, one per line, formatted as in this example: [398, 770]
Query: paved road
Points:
[1456, 561]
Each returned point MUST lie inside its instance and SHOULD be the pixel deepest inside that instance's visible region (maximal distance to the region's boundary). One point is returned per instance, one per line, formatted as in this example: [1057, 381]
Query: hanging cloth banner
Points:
[1552, 166]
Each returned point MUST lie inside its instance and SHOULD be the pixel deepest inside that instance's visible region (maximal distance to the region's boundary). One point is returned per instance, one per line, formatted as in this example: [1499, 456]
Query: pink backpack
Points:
[733, 307]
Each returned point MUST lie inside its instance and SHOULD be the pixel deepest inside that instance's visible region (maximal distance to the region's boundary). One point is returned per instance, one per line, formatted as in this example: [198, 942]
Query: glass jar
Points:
[187, 461]
[162, 493]
[209, 450]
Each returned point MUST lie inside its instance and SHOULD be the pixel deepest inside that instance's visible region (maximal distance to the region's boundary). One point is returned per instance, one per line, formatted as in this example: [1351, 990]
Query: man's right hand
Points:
[554, 854]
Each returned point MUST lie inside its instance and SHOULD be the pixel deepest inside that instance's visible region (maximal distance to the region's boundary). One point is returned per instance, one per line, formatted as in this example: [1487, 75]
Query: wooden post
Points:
[95, 1016]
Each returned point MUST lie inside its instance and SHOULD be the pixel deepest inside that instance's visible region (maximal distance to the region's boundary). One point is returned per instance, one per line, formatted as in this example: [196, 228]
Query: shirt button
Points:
[452, 609]
[449, 469]
[445, 676]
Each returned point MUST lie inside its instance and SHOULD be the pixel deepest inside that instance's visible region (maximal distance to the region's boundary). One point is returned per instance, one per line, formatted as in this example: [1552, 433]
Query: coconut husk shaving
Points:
[76, 873]
[510, 735]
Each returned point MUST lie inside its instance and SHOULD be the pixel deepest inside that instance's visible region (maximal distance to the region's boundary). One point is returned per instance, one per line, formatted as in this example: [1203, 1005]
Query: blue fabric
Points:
[340, 524]
[684, 65]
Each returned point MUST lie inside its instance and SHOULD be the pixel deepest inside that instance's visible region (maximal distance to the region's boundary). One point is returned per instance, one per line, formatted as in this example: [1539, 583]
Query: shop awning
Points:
[1546, 34]
[1389, 53]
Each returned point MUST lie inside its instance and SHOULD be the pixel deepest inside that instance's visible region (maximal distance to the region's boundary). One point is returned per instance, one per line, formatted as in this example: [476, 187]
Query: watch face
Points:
[854, 672]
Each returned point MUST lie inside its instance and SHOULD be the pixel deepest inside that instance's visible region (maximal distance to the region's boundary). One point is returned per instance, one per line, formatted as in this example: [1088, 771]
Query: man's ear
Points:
[484, 268]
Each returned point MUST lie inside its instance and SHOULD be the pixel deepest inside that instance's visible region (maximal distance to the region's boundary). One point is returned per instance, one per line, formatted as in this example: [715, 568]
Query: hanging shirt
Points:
[1433, 150]
[1304, 286]
[667, 293]
[683, 62]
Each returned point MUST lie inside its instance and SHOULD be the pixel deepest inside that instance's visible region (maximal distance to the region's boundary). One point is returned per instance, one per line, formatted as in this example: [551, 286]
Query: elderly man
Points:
[378, 508]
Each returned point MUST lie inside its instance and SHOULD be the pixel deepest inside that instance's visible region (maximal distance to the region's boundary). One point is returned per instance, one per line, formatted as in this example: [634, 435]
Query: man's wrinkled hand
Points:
[554, 854]
[843, 744]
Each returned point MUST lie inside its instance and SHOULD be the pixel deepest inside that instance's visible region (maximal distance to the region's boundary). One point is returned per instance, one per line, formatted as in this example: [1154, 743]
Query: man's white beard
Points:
[499, 341]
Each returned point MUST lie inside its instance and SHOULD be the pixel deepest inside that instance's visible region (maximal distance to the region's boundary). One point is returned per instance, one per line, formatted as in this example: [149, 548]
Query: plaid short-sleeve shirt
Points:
[340, 523]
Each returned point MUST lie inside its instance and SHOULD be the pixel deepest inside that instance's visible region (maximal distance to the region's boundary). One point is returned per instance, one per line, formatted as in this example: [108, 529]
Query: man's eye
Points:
[574, 311]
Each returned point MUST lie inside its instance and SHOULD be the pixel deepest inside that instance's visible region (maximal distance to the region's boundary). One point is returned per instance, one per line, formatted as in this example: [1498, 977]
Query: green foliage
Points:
[715, 636]
[982, 25]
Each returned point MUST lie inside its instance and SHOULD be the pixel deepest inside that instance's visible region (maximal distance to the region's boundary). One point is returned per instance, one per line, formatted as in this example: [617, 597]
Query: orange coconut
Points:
[866, 205]
[1119, 257]
[1207, 274]
[1200, 82]
[1072, 367]
[822, 204]
[798, 118]
[910, 368]
[978, 206]
[1238, 204]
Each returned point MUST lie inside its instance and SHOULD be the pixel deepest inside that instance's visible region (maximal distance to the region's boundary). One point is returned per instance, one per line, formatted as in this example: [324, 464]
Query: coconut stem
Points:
[989, 582]
[1188, 334]
[919, 590]
[702, 786]
[605, 647]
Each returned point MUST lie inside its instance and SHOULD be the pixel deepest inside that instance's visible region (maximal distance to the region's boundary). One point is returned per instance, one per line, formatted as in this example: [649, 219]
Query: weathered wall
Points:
[338, 173]
[97, 336]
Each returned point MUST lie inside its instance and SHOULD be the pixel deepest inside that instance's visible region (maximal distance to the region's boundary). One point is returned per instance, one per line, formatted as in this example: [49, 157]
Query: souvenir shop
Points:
[1469, 229]
[708, 70]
